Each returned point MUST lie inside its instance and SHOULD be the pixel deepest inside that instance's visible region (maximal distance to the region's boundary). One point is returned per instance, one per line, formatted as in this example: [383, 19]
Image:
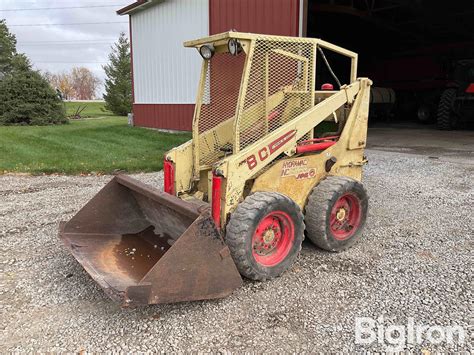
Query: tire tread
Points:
[242, 218]
[444, 109]
[317, 209]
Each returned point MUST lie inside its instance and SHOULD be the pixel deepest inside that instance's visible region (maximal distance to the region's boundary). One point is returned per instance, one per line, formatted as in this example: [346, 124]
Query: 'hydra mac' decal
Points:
[297, 168]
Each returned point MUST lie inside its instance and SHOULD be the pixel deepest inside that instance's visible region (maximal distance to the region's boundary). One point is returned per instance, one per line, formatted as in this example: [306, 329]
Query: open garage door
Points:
[421, 50]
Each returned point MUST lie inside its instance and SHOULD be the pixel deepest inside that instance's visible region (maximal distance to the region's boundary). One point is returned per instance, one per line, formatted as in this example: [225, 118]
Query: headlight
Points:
[234, 46]
[207, 51]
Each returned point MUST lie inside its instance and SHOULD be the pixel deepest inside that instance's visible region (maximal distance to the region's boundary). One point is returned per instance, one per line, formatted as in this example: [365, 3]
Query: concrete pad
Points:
[452, 146]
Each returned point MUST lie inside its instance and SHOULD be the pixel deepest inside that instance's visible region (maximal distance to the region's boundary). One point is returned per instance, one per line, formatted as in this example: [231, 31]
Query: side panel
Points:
[296, 176]
[182, 157]
[277, 17]
[164, 71]
[163, 116]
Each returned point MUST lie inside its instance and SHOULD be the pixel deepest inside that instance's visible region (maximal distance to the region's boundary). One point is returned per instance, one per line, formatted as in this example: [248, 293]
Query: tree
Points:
[65, 85]
[62, 82]
[29, 99]
[118, 84]
[20, 62]
[25, 96]
[7, 48]
[84, 83]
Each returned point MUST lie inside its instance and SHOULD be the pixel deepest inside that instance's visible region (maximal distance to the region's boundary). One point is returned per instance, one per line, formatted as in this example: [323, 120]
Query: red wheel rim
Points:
[273, 238]
[345, 216]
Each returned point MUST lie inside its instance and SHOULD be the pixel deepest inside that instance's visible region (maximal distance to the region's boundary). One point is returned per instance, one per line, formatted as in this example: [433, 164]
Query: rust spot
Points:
[136, 254]
[225, 252]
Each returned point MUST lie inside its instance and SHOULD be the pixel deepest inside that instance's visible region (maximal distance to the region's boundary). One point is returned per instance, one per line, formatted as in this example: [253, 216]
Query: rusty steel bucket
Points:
[143, 246]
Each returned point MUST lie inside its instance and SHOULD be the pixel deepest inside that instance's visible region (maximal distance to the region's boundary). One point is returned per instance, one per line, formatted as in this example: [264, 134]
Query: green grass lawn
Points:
[84, 146]
[92, 109]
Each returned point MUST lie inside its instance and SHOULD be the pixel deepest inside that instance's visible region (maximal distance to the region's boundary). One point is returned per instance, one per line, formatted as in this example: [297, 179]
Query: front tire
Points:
[264, 235]
[336, 213]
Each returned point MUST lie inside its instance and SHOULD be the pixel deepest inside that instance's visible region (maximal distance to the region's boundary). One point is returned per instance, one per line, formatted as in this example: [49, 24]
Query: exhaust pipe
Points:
[144, 246]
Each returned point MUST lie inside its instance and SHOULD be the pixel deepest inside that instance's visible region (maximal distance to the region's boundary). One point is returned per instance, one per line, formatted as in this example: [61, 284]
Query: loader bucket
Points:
[143, 246]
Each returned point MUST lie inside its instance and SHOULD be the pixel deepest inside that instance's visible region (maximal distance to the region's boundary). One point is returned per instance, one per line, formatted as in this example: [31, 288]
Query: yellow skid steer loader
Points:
[239, 197]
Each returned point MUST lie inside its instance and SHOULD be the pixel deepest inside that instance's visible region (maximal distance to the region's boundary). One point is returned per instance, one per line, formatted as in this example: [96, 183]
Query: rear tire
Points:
[336, 213]
[445, 109]
[264, 235]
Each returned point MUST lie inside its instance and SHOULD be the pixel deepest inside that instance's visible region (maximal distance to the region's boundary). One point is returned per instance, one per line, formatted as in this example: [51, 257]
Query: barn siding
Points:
[164, 71]
[164, 116]
[278, 17]
[165, 81]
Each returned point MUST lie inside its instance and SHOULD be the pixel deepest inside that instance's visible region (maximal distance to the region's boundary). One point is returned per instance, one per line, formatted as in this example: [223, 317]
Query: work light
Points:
[207, 51]
[234, 46]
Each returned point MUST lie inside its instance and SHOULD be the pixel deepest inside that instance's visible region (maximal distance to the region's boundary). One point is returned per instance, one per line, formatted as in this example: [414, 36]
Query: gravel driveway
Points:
[415, 260]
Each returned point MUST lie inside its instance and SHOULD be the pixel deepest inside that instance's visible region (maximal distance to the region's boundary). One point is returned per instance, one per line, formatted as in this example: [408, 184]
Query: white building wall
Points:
[164, 71]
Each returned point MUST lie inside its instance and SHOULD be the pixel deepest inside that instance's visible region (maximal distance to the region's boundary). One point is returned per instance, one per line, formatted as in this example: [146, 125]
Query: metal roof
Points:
[137, 6]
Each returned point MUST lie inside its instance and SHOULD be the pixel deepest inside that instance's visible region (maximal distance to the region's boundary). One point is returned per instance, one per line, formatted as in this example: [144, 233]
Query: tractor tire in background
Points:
[423, 113]
[445, 109]
[264, 235]
[336, 213]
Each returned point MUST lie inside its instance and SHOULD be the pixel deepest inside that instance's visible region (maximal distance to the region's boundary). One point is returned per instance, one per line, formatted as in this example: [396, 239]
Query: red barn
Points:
[409, 46]
[165, 74]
